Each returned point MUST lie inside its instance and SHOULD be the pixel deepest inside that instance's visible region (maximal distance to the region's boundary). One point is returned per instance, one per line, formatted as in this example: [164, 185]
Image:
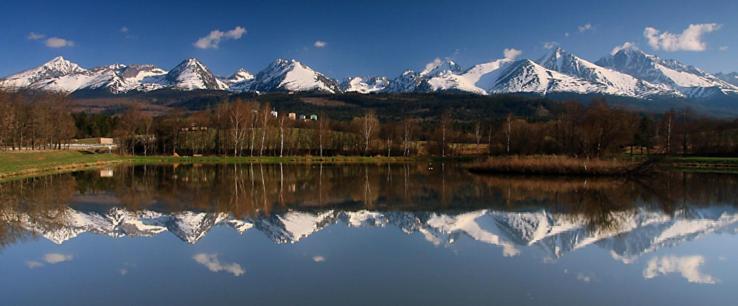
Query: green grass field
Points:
[19, 161]
[23, 164]
[705, 164]
[706, 160]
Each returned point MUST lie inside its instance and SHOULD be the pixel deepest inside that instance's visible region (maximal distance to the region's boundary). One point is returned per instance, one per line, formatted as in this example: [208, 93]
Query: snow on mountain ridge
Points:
[731, 78]
[364, 86]
[526, 76]
[688, 80]
[292, 75]
[439, 66]
[609, 81]
[627, 72]
[477, 79]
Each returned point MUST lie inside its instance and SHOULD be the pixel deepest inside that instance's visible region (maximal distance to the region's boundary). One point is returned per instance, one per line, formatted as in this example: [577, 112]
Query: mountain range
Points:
[628, 72]
[630, 233]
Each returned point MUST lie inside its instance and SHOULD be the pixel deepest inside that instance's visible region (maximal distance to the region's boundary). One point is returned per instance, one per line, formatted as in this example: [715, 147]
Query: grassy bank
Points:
[704, 164]
[24, 164]
[555, 165]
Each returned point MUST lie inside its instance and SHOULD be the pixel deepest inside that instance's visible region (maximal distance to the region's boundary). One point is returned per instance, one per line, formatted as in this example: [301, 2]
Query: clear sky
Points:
[342, 38]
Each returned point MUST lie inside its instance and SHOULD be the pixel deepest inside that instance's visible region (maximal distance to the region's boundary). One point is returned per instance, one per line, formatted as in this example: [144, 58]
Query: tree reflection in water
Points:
[607, 207]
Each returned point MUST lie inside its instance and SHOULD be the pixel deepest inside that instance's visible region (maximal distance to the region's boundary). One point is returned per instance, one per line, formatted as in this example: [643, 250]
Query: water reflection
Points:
[287, 203]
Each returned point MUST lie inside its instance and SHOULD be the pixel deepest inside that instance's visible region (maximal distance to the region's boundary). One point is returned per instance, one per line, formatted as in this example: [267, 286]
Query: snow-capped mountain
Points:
[628, 235]
[608, 81]
[37, 77]
[440, 66]
[239, 81]
[61, 75]
[526, 76]
[629, 72]
[241, 75]
[406, 82]
[120, 78]
[478, 79]
[191, 74]
[557, 71]
[141, 77]
[292, 76]
[364, 85]
[411, 81]
[690, 81]
[731, 78]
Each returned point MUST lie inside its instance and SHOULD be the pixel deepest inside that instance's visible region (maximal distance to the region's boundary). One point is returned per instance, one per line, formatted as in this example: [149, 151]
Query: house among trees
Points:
[314, 117]
[194, 128]
[292, 116]
[274, 113]
[104, 141]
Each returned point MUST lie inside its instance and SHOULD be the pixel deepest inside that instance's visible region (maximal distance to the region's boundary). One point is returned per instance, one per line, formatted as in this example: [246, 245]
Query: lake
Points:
[400, 234]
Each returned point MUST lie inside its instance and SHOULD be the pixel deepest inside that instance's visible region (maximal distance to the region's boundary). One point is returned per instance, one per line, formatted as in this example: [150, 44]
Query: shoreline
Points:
[704, 164]
[16, 165]
[572, 167]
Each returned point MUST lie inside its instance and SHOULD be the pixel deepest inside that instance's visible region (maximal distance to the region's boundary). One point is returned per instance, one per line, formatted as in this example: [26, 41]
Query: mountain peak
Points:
[240, 80]
[292, 75]
[240, 75]
[191, 62]
[62, 65]
[627, 48]
[284, 62]
[439, 66]
[58, 59]
[558, 59]
[192, 74]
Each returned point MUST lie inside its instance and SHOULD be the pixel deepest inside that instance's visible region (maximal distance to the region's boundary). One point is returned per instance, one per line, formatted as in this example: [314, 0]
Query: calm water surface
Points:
[365, 235]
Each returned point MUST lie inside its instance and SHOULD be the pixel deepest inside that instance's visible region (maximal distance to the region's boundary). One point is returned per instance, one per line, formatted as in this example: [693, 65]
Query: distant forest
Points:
[201, 122]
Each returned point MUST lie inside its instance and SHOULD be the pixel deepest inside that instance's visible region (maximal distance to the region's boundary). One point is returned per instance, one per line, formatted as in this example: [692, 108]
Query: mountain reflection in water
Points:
[288, 203]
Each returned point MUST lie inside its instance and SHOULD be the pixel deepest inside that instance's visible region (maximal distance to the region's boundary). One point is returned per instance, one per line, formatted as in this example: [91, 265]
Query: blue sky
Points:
[360, 37]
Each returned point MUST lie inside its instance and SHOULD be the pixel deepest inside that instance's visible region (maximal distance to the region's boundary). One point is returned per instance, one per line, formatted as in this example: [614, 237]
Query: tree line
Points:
[35, 122]
[247, 127]
[599, 130]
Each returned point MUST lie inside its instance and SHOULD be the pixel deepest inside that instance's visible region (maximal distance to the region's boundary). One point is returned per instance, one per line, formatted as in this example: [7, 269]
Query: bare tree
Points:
[408, 132]
[444, 126]
[478, 132]
[368, 124]
[147, 122]
[669, 119]
[239, 114]
[323, 126]
[281, 136]
[508, 132]
[265, 114]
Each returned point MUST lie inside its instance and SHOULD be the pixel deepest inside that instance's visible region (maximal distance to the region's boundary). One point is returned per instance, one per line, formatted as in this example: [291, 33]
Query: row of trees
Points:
[599, 130]
[34, 122]
[243, 128]
[595, 130]
[248, 128]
